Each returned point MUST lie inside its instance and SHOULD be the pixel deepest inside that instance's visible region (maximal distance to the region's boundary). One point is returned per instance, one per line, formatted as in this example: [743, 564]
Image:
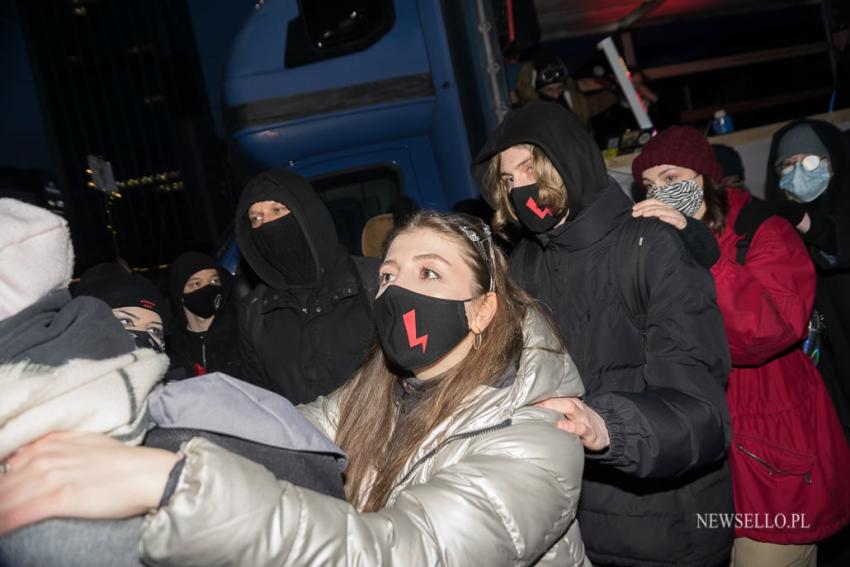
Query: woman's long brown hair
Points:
[716, 205]
[379, 439]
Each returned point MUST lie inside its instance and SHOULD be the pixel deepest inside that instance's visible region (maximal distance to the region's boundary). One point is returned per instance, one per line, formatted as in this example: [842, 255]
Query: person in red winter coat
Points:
[789, 458]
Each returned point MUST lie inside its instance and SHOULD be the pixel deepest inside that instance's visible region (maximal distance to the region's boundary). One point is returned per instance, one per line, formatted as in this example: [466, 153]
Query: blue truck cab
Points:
[372, 100]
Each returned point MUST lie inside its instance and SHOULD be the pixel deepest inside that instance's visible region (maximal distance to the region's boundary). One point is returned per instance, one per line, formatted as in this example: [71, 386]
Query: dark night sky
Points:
[23, 142]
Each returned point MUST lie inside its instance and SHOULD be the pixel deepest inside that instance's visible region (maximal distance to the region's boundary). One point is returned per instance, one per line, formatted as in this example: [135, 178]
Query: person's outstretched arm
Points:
[506, 497]
[469, 512]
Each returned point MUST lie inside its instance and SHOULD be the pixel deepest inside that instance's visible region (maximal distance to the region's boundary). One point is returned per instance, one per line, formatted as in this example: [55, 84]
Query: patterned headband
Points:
[484, 246]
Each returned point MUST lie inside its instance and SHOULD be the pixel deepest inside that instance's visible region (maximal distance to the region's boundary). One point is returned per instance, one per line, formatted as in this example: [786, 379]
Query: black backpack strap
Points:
[630, 268]
[743, 246]
[750, 218]
[367, 277]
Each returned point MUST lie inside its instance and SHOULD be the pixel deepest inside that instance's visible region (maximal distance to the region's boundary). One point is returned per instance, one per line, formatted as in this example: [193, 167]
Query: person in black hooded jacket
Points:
[202, 336]
[306, 328]
[815, 198]
[654, 422]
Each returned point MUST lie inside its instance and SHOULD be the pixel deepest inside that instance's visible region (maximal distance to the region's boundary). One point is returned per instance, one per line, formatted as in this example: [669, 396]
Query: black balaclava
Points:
[282, 244]
[307, 212]
[564, 140]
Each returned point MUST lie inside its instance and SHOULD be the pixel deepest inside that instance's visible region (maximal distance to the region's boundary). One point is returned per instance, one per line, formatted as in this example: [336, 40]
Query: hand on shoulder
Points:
[581, 420]
[654, 208]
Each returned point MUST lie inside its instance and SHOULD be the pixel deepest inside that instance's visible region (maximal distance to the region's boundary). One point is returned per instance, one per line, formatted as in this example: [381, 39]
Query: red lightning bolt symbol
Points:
[535, 208]
[410, 327]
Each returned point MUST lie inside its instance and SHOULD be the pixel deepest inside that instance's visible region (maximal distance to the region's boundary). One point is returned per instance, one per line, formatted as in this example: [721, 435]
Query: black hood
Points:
[184, 267]
[837, 195]
[563, 138]
[308, 209]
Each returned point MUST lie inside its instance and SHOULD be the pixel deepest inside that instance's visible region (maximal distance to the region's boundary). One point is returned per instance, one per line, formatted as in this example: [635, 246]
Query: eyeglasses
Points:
[808, 163]
[553, 73]
[484, 246]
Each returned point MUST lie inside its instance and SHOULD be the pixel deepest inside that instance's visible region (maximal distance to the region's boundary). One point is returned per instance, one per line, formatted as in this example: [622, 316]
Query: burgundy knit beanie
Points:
[682, 146]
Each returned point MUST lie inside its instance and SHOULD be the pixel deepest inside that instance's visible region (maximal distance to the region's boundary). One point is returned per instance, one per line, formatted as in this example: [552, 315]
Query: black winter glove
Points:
[822, 232]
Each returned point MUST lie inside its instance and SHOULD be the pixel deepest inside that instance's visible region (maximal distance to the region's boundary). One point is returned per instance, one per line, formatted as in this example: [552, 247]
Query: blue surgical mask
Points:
[806, 185]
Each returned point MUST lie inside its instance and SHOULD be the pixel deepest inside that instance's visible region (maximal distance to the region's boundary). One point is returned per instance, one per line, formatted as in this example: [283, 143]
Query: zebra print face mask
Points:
[685, 196]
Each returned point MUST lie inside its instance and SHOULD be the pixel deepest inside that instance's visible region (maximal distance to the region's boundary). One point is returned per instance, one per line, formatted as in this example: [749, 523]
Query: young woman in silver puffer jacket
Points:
[450, 460]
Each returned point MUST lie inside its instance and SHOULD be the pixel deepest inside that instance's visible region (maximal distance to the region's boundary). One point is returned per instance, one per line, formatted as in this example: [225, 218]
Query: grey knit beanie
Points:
[801, 139]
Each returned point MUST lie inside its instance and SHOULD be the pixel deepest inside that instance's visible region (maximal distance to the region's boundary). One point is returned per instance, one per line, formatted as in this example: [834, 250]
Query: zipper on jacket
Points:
[446, 441]
[772, 470]
[203, 352]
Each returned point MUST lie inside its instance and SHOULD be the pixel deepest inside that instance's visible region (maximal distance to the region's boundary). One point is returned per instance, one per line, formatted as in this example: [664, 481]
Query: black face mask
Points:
[418, 330]
[204, 302]
[143, 339]
[531, 215]
[282, 244]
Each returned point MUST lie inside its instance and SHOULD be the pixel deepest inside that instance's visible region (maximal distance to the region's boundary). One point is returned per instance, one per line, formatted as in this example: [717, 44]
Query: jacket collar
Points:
[544, 370]
[593, 223]
[333, 290]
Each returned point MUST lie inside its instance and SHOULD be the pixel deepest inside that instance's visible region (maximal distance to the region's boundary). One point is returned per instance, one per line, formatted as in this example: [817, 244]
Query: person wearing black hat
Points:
[306, 328]
[202, 336]
[553, 83]
[731, 163]
[135, 302]
[550, 75]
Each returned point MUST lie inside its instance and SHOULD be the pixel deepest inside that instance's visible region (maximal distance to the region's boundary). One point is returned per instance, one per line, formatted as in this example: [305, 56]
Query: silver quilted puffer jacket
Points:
[496, 484]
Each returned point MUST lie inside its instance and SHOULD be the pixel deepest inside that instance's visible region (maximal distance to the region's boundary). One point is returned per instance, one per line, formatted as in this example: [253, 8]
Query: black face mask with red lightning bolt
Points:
[417, 330]
[531, 214]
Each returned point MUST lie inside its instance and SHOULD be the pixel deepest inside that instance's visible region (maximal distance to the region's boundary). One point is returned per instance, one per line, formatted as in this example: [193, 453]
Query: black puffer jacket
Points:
[303, 341]
[829, 244]
[662, 395]
[214, 350]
